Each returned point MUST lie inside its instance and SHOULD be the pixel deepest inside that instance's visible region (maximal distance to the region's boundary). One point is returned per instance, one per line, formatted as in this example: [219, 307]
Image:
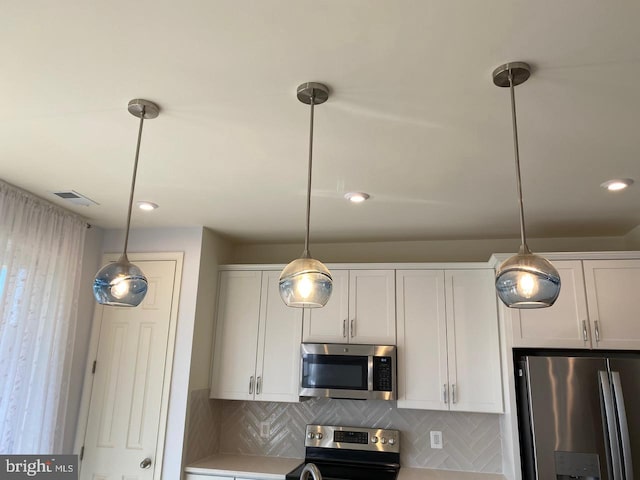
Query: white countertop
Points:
[276, 468]
[245, 466]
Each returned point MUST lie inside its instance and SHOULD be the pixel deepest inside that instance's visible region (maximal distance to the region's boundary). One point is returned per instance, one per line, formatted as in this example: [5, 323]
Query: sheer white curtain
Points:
[40, 255]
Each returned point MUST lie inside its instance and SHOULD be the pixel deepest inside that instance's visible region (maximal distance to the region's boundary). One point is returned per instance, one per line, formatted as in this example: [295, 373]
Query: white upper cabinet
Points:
[257, 342]
[613, 288]
[361, 310]
[235, 346]
[278, 364]
[372, 307]
[329, 323]
[448, 341]
[563, 325]
[422, 339]
[597, 308]
[473, 341]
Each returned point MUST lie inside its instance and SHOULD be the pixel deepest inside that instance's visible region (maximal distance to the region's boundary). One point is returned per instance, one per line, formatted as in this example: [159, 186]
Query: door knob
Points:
[146, 463]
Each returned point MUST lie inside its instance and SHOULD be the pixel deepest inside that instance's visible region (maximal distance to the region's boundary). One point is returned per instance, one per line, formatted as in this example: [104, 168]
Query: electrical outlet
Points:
[265, 429]
[436, 439]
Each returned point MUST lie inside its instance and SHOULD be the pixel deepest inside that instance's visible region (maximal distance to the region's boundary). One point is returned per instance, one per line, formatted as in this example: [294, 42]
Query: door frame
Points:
[87, 387]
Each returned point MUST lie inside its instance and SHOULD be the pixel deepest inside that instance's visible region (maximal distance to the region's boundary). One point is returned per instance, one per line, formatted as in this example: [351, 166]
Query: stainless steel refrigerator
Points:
[579, 416]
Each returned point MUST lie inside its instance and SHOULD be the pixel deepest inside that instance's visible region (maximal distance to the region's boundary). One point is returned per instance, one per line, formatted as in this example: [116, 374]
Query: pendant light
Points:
[121, 283]
[306, 282]
[524, 280]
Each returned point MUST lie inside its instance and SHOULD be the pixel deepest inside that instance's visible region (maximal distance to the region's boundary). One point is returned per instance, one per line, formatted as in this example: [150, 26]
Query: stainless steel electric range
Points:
[351, 453]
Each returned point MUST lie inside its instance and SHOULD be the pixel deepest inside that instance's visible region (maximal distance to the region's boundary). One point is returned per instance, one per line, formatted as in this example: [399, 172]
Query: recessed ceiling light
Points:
[617, 184]
[146, 206]
[356, 197]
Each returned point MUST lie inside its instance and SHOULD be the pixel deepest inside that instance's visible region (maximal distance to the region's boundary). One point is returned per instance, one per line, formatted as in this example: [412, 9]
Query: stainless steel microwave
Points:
[361, 372]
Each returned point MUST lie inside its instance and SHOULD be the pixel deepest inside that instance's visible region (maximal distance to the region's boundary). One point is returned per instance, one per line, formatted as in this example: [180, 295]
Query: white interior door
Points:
[125, 408]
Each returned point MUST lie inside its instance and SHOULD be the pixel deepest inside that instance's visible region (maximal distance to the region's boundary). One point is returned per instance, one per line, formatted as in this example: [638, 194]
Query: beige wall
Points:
[215, 251]
[421, 251]
[632, 239]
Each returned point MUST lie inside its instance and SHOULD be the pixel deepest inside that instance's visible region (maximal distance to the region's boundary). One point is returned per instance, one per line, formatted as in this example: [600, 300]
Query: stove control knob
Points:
[374, 439]
[392, 441]
[319, 436]
[311, 435]
[383, 440]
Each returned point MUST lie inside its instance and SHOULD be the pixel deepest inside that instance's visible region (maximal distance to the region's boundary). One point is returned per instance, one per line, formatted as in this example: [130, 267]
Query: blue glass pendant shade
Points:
[526, 280]
[305, 283]
[120, 284]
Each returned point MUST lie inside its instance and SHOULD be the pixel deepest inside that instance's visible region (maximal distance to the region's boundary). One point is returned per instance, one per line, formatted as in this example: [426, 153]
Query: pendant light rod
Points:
[143, 109]
[312, 94]
[511, 75]
[133, 183]
[516, 152]
[305, 253]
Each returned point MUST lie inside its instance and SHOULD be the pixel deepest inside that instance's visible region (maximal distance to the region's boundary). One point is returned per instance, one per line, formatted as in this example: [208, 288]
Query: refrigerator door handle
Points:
[624, 428]
[612, 430]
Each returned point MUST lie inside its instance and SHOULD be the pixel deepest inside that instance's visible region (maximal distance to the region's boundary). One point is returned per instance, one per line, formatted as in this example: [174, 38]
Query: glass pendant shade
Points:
[120, 284]
[526, 280]
[306, 283]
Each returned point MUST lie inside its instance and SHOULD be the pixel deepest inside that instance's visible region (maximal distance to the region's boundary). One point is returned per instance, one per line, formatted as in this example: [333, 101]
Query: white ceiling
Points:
[414, 118]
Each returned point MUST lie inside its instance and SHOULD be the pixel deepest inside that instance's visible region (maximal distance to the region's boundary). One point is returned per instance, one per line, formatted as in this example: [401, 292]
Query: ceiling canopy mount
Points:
[520, 72]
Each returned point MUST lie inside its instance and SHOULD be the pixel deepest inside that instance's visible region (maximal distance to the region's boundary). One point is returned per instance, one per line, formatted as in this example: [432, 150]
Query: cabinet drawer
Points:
[198, 476]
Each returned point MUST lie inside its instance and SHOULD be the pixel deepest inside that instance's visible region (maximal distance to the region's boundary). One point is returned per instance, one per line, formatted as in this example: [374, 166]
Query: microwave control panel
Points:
[382, 374]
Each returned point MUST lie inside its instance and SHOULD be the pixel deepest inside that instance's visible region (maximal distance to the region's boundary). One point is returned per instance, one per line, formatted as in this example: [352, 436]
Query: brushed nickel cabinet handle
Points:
[251, 385]
[453, 393]
[344, 328]
[445, 396]
[259, 385]
[353, 328]
[584, 330]
[597, 328]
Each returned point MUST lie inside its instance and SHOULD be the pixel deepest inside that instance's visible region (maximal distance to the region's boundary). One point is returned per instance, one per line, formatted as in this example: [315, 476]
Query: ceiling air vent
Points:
[75, 198]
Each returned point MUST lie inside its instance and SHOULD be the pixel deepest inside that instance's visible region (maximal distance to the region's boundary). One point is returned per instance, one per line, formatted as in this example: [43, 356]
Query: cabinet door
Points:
[372, 307]
[475, 380]
[612, 295]
[236, 338]
[565, 324]
[278, 367]
[422, 339]
[329, 323]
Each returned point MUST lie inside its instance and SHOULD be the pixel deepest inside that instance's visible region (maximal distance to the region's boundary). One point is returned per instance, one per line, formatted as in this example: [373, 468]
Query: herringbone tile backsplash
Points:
[471, 440]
